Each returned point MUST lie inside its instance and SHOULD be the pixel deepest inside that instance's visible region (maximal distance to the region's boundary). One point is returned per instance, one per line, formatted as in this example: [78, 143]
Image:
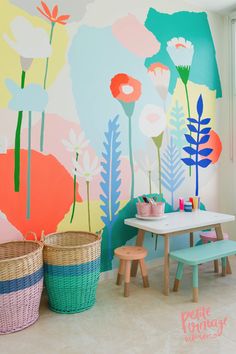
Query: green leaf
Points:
[183, 73]
[158, 140]
[128, 108]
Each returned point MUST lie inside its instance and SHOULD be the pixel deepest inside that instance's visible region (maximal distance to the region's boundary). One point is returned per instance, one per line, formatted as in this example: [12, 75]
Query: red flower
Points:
[52, 16]
[125, 88]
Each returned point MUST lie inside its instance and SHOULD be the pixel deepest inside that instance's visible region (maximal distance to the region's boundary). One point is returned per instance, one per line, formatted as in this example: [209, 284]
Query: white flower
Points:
[160, 75]
[75, 143]
[152, 121]
[88, 169]
[181, 51]
[29, 41]
[3, 145]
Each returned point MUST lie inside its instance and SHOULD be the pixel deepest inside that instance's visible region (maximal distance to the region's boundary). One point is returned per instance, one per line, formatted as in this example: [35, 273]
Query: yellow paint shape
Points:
[209, 100]
[10, 61]
[80, 221]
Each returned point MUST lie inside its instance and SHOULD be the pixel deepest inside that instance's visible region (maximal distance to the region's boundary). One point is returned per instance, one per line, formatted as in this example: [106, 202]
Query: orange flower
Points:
[52, 16]
[215, 144]
[125, 88]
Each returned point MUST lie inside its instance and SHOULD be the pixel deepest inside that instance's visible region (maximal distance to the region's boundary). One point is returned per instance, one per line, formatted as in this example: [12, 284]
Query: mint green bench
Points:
[201, 254]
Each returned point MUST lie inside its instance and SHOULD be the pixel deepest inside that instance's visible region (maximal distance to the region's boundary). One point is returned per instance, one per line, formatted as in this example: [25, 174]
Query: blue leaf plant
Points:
[178, 125]
[200, 135]
[111, 180]
[172, 169]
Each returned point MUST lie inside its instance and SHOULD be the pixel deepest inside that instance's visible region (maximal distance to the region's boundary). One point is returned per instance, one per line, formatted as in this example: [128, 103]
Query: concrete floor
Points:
[145, 323]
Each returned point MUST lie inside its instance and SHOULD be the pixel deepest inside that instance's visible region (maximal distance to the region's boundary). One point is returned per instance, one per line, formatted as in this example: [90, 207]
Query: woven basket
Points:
[71, 270]
[21, 284]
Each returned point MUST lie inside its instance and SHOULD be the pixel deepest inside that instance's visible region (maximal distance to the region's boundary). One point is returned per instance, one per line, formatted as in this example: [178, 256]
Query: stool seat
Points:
[131, 253]
[210, 236]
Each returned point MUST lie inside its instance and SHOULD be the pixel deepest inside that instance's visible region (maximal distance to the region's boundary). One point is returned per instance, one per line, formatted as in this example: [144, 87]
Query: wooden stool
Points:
[127, 254]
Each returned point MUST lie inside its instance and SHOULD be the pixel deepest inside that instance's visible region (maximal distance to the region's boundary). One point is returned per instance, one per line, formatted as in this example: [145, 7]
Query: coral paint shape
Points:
[125, 88]
[51, 193]
[135, 37]
[53, 16]
[214, 143]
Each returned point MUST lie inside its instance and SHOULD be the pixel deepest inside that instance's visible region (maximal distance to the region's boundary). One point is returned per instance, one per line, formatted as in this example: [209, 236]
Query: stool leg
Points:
[216, 266]
[144, 273]
[127, 277]
[228, 267]
[120, 272]
[223, 260]
[195, 283]
[178, 276]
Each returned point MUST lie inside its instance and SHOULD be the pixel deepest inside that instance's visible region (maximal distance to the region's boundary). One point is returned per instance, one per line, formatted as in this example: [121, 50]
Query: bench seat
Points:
[201, 254]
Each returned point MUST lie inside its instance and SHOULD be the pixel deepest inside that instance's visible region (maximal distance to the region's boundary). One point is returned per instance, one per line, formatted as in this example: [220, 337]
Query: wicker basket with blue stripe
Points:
[71, 270]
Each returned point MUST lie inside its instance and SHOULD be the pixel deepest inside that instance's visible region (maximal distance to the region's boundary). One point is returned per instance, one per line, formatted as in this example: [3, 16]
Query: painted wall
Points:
[101, 102]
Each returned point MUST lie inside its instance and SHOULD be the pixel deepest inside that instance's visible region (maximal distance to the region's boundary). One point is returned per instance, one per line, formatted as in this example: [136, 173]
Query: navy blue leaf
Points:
[204, 163]
[188, 161]
[205, 131]
[205, 152]
[205, 121]
[192, 120]
[192, 128]
[200, 106]
[190, 150]
[204, 139]
[111, 181]
[190, 139]
[172, 174]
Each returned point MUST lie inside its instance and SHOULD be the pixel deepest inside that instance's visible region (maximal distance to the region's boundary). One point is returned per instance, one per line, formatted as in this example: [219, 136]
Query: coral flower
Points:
[125, 88]
[53, 16]
[160, 75]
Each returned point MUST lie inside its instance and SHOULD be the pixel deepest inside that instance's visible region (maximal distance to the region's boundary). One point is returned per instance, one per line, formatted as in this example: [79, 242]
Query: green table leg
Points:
[178, 277]
[224, 263]
[195, 283]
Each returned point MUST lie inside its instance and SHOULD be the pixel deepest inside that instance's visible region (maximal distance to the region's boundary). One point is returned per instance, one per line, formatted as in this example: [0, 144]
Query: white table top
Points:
[180, 221]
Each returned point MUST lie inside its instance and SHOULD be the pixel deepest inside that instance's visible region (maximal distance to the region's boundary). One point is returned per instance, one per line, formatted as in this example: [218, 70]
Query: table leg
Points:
[191, 239]
[139, 242]
[166, 265]
[219, 234]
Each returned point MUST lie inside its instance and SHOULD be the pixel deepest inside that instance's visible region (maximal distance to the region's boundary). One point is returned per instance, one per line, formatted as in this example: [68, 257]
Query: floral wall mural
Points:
[94, 115]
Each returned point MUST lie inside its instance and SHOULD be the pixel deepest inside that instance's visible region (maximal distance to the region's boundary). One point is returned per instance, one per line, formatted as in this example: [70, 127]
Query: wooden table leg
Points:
[139, 242]
[220, 236]
[166, 265]
[191, 239]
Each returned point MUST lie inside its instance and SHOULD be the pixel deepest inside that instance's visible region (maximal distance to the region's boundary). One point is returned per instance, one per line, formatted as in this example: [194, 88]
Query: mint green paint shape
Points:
[194, 27]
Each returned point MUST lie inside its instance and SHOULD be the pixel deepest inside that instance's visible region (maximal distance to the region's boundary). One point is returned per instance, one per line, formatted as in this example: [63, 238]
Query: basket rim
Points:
[72, 247]
[7, 260]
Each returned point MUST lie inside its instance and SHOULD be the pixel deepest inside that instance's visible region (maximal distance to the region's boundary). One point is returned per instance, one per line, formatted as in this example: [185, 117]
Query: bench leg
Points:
[195, 283]
[178, 277]
[224, 262]
[120, 272]
[228, 267]
[144, 273]
[216, 266]
[191, 239]
[127, 277]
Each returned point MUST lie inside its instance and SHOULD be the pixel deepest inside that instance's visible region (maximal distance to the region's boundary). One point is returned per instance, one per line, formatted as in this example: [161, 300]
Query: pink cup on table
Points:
[158, 209]
[144, 209]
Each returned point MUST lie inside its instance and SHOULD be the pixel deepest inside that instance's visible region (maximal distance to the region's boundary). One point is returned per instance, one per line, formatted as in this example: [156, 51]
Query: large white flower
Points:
[3, 145]
[88, 169]
[181, 51]
[29, 41]
[160, 75]
[75, 143]
[152, 121]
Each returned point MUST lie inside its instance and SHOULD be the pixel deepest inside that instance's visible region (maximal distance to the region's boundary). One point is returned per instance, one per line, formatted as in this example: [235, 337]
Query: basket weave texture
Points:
[71, 270]
[21, 284]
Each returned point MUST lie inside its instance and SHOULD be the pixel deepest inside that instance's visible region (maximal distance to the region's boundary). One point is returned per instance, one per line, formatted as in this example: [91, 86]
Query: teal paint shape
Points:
[194, 27]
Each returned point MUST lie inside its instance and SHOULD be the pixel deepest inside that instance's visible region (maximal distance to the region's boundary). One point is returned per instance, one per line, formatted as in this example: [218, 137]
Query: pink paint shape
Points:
[134, 36]
[8, 231]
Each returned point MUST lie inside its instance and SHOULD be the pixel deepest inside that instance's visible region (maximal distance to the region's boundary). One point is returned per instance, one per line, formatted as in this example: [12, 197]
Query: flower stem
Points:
[189, 115]
[17, 142]
[29, 167]
[74, 193]
[131, 158]
[44, 86]
[159, 170]
[150, 181]
[88, 203]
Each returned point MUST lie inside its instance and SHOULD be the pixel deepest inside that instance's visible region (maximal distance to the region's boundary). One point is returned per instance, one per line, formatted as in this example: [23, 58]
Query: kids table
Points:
[177, 223]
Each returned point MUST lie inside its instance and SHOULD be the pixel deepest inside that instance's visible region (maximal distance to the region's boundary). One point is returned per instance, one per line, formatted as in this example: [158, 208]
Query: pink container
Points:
[158, 209]
[144, 209]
